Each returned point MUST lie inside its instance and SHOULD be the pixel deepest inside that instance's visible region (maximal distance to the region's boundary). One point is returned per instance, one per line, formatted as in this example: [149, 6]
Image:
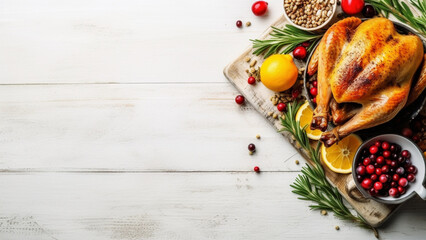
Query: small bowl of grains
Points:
[310, 15]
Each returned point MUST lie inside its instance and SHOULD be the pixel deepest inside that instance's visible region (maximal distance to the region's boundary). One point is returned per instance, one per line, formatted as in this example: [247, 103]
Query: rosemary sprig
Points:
[287, 38]
[403, 13]
[312, 183]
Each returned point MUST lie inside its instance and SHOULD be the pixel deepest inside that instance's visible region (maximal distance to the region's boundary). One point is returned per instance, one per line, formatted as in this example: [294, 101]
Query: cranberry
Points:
[372, 157]
[259, 8]
[383, 178]
[416, 138]
[374, 177]
[394, 164]
[372, 191]
[392, 148]
[251, 80]
[407, 163]
[306, 44]
[380, 160]
[359, 178]
[385, 169]
[412, 169]
[281, 107]
[239, 99]
[374, 149]
[315, 83]
[366, 161]
[378, 144]
[394, 156]
[379, 171]
[393, 192]
[388, 161]
[313, 91]
[295, 93]
[239, 24]
[251, 147]
[370, 169]
[378, 186]
[400, 171]
[401, 190]
[411, 177]
[314, 100]
[368, 11]
[386, 154]
[385, 145]
[401, 159]
[376, 165]
[407, 132]
[403, 182]
[394, 184]
[256, 169]
[367, 183]
[395, 177]
[352, 7]
[406, 154]
[360, 170]
[300, 53]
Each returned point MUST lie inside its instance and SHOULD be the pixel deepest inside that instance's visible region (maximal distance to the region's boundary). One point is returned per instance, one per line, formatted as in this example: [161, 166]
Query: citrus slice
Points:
[339, 157]
[304, 116]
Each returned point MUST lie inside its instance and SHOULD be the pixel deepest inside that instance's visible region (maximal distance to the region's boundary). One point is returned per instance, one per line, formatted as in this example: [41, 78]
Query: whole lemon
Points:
[278, 72]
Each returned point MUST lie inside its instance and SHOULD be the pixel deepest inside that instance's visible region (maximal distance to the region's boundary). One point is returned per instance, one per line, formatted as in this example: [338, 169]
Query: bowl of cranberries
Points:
[390, 169]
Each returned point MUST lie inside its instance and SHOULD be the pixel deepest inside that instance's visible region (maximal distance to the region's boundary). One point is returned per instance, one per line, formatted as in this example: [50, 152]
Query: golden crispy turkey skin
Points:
[367, 63]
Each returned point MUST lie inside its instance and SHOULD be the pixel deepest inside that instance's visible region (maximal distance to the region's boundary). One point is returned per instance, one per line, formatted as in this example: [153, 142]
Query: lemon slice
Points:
[339, 157]
[304, 116]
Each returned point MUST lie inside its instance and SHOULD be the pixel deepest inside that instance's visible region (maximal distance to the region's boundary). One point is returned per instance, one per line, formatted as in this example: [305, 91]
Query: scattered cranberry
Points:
[412, 169]
[416, 138]
[395, 177]
[380, 160]
[299, 53]
[378, 186]
[401, 190]
[306, 44]
[411, 177]
[385, 145]
[367, 183]
[374, 149]
[256, 169]
[393, 192]
[315, 83]
[368, 11]
[406, 154]
[259, 8]
[352, 7]
[383, 178]
[313, 91]
[360, 170]
[251, 80]
[281, 107]
[239, 99]
[407, 132]
[370, 169]
[251, 147]
[239, 24]
[295, 93]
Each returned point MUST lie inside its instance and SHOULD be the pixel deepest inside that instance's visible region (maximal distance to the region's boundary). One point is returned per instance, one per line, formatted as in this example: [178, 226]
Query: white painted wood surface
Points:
[117, 123]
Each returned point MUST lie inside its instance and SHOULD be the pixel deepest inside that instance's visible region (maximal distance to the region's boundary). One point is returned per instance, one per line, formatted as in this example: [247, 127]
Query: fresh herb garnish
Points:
[287, 38]
[312, 184]
[403, 13]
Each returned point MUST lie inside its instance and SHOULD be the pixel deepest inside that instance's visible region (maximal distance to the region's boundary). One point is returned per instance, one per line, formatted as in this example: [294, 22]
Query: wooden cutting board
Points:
[259, 96]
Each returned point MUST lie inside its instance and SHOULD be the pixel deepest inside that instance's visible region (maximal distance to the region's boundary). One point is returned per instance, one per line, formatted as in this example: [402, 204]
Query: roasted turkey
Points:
[365, 75]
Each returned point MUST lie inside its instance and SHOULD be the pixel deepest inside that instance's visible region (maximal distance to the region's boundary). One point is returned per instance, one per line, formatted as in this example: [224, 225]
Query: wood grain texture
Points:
[173, 206]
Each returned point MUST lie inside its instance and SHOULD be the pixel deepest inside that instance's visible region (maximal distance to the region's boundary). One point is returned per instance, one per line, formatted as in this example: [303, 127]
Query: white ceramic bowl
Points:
[324, 25]
[417, 159]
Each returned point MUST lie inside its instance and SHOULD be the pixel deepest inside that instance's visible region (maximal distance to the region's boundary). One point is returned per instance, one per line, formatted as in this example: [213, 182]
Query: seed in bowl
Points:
[309, 13]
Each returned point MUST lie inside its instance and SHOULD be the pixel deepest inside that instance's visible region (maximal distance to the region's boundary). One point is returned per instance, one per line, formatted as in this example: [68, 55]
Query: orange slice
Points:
[339, 157]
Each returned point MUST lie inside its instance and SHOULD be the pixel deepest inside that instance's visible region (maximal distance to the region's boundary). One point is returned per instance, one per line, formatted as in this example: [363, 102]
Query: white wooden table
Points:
[117, 123]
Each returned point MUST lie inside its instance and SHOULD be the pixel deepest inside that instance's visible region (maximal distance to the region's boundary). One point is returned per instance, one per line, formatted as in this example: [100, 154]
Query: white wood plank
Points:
[85, 41]
[174, 206]
[135, 127]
